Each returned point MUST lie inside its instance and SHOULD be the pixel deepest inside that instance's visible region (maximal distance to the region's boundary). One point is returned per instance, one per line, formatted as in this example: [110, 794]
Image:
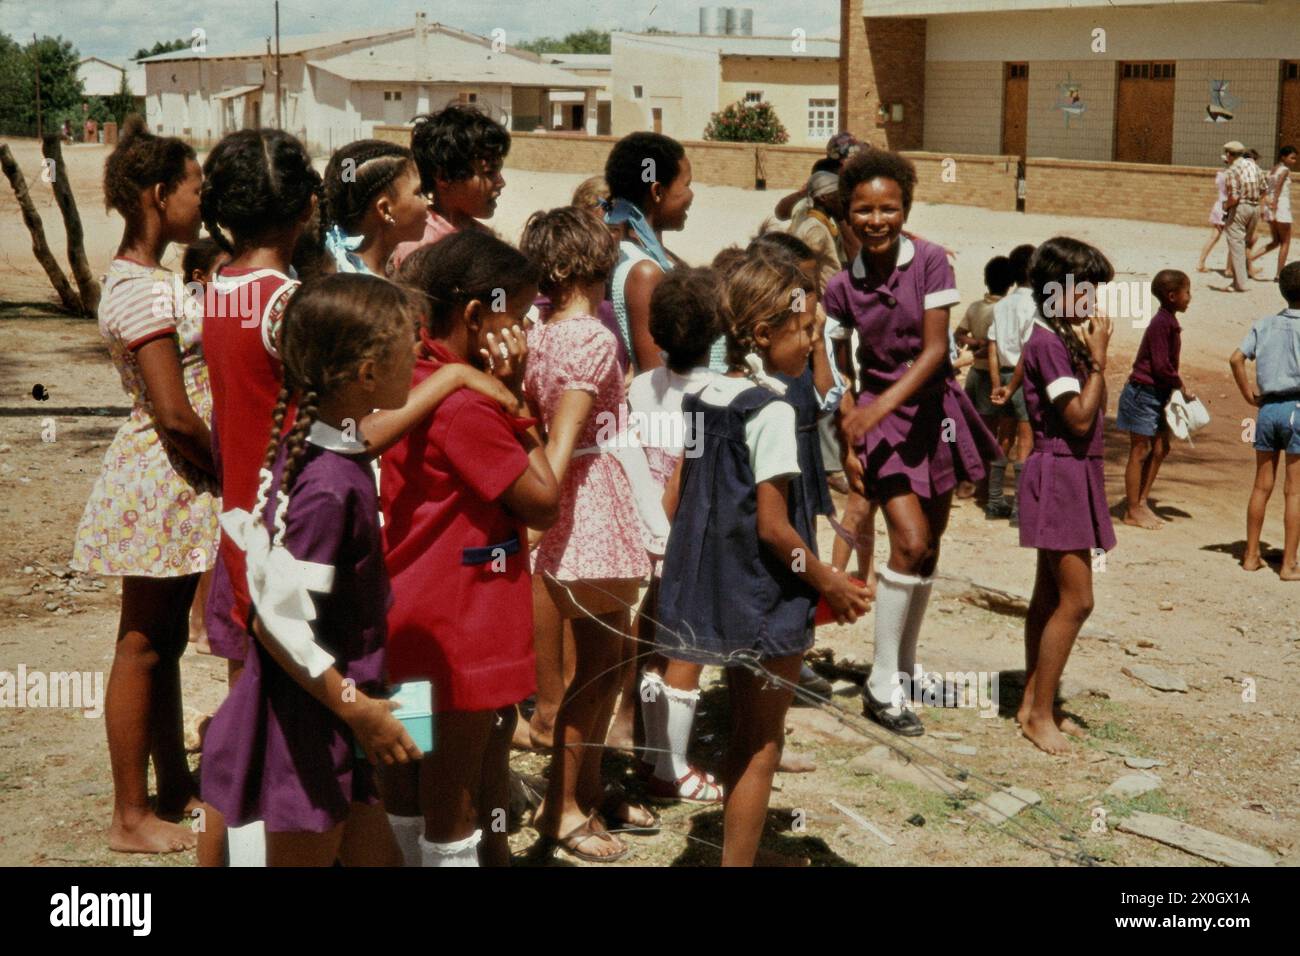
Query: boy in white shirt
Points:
[1013, 320]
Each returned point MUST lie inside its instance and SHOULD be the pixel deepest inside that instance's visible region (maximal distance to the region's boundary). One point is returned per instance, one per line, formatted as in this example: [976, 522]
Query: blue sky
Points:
[115, 29]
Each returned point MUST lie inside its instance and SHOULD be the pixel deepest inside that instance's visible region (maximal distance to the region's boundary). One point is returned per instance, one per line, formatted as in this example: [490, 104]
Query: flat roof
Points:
[814, 48]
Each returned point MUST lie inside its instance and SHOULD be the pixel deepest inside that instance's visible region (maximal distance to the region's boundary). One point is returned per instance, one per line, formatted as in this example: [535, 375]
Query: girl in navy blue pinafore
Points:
[741, 574]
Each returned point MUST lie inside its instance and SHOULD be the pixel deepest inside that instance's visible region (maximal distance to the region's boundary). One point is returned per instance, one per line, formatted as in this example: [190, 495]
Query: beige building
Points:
[1105, 80]
[337, 87]
[568, 109]
[673, 83]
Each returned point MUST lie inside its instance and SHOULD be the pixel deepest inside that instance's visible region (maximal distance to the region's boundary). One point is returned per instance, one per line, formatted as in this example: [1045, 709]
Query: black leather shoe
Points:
[899, 720]
[812, 683]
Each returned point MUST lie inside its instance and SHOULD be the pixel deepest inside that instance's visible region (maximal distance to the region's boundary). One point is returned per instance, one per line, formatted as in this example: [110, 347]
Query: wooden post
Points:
[32, 219]
[86, 282]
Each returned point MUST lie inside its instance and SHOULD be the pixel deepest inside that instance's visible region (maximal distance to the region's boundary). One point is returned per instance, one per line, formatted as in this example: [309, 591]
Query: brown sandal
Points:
[570, 842]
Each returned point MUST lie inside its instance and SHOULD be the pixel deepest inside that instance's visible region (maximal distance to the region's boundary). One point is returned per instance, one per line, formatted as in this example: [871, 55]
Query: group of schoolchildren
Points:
[384, 431]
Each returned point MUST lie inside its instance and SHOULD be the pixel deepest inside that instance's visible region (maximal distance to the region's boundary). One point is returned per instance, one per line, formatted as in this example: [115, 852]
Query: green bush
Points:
[746, 123]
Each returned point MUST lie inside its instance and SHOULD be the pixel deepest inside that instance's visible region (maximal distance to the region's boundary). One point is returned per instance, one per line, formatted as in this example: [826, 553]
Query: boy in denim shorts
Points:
[1274, 345]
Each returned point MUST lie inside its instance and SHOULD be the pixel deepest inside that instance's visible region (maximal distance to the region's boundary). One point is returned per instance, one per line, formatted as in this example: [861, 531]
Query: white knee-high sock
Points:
[680, 705]
[654, 717]
[457, 853]
[893, 600]
[912, 628]
[407, 830]
[247, 844]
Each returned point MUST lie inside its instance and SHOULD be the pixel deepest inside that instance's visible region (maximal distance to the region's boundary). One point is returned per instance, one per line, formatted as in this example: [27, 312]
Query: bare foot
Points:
[1143, 517]
[1067, 726]
[171, 809]
[1251, 562]
[1045, 735]
[1201, 268]
[794, 762]
[620, 738]
[541, 738]
[149, 834]
[1290, 572]
[522, 737]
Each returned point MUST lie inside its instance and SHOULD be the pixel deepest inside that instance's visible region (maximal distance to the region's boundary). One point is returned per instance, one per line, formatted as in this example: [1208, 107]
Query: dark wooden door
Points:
[1288, 114]
[1015, 109]
[1144, 113]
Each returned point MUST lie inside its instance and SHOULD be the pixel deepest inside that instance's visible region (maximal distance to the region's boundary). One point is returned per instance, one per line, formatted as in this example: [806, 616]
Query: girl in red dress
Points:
[458, 493]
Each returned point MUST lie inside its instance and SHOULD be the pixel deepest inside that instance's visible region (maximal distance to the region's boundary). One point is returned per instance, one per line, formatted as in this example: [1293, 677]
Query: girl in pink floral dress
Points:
[589, 565]
[152, 516]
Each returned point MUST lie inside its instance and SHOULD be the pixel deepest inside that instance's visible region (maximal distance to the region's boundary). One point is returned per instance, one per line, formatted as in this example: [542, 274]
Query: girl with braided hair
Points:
[741, 575]
[283, 747]
[371, 201]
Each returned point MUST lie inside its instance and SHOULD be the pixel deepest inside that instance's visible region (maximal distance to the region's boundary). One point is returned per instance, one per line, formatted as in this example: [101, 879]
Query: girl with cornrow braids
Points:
[259, 196]
[284, 749]
[371, 202]
[741, 574]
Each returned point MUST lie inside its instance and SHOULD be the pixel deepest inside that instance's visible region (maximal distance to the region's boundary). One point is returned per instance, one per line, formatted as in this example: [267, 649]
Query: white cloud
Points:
[115, 29]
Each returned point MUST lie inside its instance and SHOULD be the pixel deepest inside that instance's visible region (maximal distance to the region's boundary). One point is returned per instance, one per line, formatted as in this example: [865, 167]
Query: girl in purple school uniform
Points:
[283, 748]
[1063, 511]
[910, 431]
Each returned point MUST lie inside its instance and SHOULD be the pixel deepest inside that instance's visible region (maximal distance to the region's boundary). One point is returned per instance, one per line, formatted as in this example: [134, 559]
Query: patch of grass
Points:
[1154, 801]
[935, 807]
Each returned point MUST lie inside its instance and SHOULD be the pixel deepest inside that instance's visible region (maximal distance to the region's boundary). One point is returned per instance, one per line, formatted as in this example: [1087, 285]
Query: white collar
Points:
[1038, 321]
[225, 282]
[325, 435]
[906, 253]
[1290, 313]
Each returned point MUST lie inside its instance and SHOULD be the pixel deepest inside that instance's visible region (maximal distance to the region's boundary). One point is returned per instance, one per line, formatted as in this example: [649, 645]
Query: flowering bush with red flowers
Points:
[746, 123]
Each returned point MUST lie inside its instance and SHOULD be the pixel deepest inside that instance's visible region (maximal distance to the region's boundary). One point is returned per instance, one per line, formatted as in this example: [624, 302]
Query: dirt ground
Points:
[1176, 598]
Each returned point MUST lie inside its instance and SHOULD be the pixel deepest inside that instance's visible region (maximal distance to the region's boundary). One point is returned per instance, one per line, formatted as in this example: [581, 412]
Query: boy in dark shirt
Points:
[1142, 403]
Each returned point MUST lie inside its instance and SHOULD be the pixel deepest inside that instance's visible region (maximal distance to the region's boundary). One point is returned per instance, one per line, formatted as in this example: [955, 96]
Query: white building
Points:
[335, 87]
[101, 77]
[672, 83]
[568, 110]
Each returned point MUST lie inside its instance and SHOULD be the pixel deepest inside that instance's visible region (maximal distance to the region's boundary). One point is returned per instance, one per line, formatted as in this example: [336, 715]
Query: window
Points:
[637, 92]
[753, 96]
[822, 119]
[464, 97]
[1017, 71]
[1147, 71]
[1291, 71]
[392, 96]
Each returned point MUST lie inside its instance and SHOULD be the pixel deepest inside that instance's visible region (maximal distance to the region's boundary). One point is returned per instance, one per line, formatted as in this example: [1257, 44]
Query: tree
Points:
[584, 41]
[746, 123]
[161, 47]
[60, 85]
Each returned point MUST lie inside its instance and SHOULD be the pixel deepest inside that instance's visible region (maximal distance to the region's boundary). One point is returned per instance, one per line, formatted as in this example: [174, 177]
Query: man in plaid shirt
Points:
[1246, 186]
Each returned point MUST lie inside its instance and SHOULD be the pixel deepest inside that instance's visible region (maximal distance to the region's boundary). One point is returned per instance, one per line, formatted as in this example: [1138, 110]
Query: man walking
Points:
[1245, 188]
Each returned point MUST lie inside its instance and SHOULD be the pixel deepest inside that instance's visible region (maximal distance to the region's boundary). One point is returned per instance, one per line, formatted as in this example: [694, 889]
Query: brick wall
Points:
[963, 106]
[1176, 194]
[1253, 91]
[882, 60]
[962, 179]
[1090, 135]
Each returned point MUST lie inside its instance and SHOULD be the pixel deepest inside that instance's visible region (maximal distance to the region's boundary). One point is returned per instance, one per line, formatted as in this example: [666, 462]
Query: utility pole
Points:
[278, 124]
[36, 58]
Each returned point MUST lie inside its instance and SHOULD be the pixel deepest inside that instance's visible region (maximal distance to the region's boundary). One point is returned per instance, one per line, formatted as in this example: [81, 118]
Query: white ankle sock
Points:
[893, 600]
[912, 628]
[457, 853]
[247, 844]
[654, 717]
[407, 830]
[680, 705]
